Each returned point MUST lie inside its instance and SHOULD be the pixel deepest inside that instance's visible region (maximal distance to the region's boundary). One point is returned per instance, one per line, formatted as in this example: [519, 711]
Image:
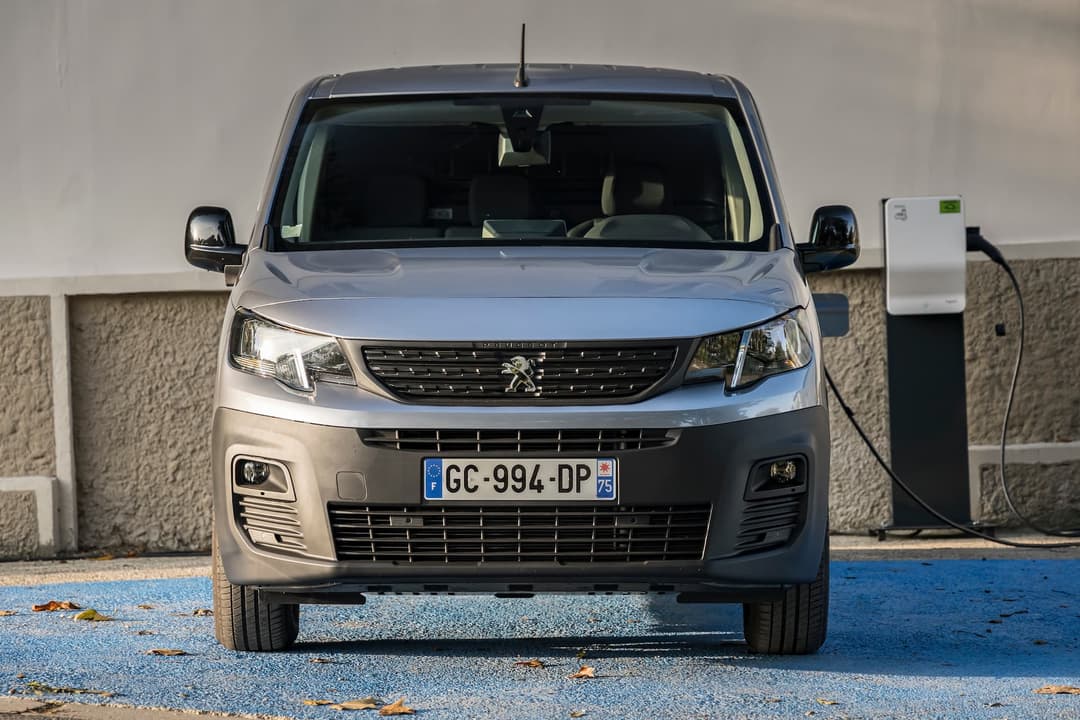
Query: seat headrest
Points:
[395, 201]
[499, 197]
[633, 189]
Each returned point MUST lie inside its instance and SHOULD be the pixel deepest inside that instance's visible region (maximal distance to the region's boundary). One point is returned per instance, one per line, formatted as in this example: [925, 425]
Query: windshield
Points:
[563, 170]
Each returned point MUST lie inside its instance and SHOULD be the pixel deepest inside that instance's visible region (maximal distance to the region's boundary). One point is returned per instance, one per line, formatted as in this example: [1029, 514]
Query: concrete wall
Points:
[26, 413]
[142, 391]
[131, 112]
[1046, 410]
[18, 531]
[142, 378]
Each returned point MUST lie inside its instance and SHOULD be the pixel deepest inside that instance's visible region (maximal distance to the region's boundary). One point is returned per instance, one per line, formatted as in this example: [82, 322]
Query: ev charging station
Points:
[925, 287]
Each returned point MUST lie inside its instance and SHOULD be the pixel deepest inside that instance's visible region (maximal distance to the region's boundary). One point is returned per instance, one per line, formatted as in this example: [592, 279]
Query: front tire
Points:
[244, 620]
[797, 623]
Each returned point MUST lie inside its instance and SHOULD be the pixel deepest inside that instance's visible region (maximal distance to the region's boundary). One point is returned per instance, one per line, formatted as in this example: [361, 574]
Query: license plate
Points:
[587, 479]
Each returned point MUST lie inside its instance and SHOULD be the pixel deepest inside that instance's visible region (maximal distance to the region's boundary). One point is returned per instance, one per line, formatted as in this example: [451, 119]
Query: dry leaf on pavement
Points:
[1058, 690]
[368, 703]
[145, 606]
[398, 707]
[106, 556]
[166, 652]
[7, 613]
[320, 661]
[92, 615]
[145, 632]
[318, 702]
[587, 672]
[823, 701]
[577, 713]
[529, 663]
[203, 612]
[40, 688]
[54, 605]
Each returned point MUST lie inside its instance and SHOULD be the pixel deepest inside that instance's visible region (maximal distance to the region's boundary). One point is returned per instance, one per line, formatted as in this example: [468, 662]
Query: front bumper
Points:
[706, 465]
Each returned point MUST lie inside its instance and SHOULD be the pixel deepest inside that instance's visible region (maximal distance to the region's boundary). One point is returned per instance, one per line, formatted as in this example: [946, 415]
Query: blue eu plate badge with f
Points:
[605, 479]
[433, 483]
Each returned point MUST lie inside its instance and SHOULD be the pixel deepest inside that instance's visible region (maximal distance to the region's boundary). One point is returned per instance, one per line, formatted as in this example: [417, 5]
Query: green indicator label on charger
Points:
[950, 206]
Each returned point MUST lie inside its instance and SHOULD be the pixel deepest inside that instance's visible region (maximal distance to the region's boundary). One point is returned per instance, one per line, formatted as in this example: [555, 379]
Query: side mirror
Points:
[210, 241]
[834, 239]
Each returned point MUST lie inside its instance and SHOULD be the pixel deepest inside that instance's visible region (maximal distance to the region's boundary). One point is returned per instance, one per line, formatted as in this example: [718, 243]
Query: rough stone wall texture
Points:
[142, 393]
[26, 420]
[1047, 409]
[1047, 494]
[142, 373]
[860, 496]
[18, 524]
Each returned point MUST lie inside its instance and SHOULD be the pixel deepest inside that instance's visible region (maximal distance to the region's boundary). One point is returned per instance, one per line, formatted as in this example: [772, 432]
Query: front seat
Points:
[628, 190]
[495, 197]
[634, 201]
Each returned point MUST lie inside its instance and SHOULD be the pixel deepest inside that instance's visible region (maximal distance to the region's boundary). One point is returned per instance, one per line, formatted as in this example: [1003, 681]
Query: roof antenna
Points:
[520, 80]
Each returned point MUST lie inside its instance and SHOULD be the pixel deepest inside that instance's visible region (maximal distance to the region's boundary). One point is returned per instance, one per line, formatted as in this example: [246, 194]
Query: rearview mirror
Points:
[210, 241]
[834, 240]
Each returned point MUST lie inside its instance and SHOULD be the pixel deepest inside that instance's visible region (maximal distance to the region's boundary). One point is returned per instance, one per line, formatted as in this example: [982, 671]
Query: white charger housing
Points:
[925, 255]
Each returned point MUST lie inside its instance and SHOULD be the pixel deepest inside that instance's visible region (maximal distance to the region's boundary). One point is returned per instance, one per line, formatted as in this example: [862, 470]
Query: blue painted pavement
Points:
[948, 639]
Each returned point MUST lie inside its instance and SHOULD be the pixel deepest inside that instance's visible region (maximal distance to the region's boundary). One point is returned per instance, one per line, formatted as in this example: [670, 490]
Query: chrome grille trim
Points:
[563, 371]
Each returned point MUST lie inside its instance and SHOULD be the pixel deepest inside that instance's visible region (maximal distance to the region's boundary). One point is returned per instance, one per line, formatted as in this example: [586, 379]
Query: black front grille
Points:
[567, 371]
[518, 441]
[270, 522]
[562, 534]
[769, 523]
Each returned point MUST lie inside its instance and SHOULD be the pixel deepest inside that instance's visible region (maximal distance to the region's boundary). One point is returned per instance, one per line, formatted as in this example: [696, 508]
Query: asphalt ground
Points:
[908, 639]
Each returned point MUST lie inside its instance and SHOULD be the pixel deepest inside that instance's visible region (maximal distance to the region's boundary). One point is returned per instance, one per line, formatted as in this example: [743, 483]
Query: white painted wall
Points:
[119, 116]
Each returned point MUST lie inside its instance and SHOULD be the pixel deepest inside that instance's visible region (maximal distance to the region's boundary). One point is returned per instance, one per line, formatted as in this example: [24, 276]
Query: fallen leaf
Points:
[145, 606]
[131, 554]
[166, 652]
[40, 688]
[203, 612]
[54, 605]
[577, 713]
[810, 712]
[587, 672]
[92, 615]
[996, 704]
[1058, 690]
[320, 661]
[529, 663]
[20, 676]
[368, 703]
[106, 556]
[398, 707]
[8, 613]
[318, 702]
[823, 701]
[772, 700]
[145, 632]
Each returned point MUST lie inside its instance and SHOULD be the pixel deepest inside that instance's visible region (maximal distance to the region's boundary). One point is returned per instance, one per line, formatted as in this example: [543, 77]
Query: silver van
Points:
[551, 335]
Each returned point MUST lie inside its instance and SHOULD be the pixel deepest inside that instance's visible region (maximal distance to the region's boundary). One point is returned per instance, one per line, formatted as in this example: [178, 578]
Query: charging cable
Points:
[975, 243]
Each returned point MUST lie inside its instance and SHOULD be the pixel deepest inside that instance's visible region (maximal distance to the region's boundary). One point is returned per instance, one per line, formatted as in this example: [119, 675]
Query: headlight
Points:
[744, 357]
[294, 359]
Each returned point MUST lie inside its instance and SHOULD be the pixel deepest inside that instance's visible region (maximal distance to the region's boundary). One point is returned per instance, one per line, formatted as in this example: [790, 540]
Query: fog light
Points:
[254, 472]
[784, 472]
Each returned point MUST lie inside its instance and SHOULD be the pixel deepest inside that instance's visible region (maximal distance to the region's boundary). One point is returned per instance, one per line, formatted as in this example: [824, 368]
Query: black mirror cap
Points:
[834, 239]
[210, 241]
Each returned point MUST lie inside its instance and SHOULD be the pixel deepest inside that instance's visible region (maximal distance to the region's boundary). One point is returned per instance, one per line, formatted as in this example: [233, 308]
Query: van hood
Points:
[519, 293]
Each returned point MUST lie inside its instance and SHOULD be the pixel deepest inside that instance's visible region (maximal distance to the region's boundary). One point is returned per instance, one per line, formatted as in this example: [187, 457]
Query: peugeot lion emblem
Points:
[521, 370]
